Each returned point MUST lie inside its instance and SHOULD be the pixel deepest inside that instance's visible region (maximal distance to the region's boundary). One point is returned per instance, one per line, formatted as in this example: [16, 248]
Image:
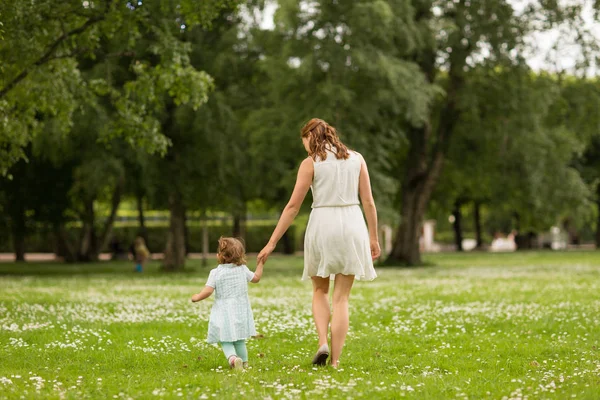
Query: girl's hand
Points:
[375, 249]
[196, 298]
[265, 253]
[206, 292]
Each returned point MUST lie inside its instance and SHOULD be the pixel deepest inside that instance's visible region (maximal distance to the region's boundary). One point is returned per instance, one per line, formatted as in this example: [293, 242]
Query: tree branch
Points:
[47, 56]
[126, 53]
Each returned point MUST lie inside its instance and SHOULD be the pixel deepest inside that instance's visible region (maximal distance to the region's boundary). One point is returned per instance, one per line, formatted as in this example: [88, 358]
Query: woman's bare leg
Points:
[320, 307]
[340, 319]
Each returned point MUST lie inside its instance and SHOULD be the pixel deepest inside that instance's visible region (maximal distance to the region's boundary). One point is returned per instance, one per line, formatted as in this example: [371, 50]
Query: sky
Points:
[541, 55]
[564, 57]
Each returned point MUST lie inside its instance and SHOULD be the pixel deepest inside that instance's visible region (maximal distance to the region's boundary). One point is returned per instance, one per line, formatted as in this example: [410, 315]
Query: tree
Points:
[125, 64]
[511, 152]
[345, 62]
[461, 36]
[208, 165]
[15, 202]
[40, 75]
[579, 110]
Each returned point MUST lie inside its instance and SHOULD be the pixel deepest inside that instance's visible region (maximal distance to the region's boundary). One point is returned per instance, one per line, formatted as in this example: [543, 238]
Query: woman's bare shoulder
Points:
[356, 154]
[306, 167]
[308, 162]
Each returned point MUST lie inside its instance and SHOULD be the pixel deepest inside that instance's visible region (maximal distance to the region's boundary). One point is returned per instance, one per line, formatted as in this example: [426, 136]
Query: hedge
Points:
[256, 237]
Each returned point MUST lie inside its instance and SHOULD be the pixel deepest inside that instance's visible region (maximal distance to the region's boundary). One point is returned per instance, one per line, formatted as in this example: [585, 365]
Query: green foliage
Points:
[515, 130]
[94, 94]
[43, 241]
[40, 78]
[345, 62]
[517, 133]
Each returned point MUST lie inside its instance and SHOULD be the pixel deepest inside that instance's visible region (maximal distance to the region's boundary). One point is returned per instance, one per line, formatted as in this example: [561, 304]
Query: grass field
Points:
[503, 326]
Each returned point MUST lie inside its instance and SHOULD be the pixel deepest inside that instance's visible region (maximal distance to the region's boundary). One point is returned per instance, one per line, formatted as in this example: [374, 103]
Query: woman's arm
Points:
[368, 203]
[303, 182]
[206, 292]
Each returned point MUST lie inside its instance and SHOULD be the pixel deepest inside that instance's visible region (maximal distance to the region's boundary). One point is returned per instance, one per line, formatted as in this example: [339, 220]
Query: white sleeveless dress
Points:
[337, 239]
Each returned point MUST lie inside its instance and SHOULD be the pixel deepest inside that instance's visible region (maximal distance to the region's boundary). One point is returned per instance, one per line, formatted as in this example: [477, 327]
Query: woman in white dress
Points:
[337, 242]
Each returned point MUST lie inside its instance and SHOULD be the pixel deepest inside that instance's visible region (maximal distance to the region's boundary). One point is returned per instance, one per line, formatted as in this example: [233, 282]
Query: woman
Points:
[337, 242]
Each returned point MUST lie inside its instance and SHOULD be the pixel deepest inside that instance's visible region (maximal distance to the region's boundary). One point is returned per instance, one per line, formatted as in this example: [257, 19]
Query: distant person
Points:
[141, 253]
[337, 242]
[231, 319]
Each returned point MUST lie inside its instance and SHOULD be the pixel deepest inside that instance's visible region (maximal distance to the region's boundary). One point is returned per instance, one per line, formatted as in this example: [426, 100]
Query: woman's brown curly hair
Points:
[231, 251]
[321, 137]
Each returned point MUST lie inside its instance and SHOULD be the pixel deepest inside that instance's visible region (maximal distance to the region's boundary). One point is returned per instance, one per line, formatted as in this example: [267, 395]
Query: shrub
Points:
[43, 241]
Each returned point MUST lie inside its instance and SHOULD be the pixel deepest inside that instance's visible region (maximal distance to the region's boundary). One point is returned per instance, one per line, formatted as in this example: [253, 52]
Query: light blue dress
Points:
[231, 317]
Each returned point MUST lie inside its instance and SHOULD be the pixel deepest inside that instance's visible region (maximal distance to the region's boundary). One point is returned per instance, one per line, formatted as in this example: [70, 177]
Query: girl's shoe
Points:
[321, 357]
[235, 363]
[246, 365]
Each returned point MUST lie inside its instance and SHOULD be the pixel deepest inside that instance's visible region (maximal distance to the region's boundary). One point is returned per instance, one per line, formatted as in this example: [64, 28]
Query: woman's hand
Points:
[265, 253]
[375, 249]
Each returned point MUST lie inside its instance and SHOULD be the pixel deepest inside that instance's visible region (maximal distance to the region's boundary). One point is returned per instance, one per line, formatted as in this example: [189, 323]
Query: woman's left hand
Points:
[265, 253]
[375, 249]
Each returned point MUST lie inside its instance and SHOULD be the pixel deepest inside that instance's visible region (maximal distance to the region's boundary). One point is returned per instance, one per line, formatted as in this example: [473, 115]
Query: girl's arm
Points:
[258, 273]
[303, 182]
[368, 203]
[206, 292]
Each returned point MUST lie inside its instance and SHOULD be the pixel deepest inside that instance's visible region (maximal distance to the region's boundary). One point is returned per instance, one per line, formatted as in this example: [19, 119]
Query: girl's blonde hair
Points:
[231, 251]
[322, 136]
[139, 246]
[139, 241]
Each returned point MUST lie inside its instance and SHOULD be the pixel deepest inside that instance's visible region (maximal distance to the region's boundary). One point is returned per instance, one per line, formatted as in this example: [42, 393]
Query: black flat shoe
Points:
[321, 356]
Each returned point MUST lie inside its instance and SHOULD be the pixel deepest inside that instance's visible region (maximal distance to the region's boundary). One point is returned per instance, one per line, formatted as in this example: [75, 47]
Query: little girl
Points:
[140, 253]
[231, 319]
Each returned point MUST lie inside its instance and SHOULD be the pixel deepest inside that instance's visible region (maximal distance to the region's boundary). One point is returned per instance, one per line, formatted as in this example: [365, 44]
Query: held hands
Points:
[265, 253]
[375, 249]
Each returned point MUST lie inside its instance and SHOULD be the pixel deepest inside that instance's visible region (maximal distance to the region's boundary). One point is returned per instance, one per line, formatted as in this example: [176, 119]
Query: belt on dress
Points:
[336, 206]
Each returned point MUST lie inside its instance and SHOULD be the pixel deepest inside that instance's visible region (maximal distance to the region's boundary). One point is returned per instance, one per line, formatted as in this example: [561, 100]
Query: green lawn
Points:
[510, 326]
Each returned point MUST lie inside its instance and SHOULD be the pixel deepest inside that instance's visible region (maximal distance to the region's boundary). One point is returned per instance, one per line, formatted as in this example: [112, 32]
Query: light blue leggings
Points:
[237, 348]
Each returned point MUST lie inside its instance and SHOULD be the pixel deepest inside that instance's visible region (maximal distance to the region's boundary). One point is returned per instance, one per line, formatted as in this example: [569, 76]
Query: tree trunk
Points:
[205, 244]
[598, 222]
[18, 233]
[143, 232]
[186, 233]
[478, 237]
[63, 246]
[425, 159]
[457, 225]
[88, 239]
[287, 243]
[239, 223]
[236, 226]
[417, 186]
[571, 230]
[175, 250]
[106, 235]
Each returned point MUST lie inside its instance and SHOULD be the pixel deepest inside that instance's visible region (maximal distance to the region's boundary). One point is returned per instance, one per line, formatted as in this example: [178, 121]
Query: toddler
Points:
[231, 320]
[140, 253]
